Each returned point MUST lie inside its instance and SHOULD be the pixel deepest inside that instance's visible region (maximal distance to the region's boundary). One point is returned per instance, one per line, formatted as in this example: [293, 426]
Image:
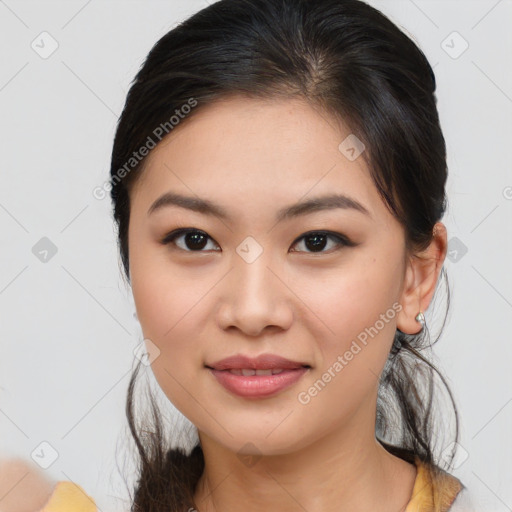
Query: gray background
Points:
[67, 328]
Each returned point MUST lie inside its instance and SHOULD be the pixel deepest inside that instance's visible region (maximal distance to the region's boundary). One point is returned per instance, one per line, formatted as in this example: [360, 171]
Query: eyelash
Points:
[341, 240]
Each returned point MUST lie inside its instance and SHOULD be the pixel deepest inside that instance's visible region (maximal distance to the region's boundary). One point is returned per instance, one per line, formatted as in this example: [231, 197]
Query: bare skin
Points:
[200, 305]
[23, 486]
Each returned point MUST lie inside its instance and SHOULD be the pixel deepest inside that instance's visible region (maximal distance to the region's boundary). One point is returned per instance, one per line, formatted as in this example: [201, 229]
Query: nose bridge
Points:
[252, 276]
[255, 296]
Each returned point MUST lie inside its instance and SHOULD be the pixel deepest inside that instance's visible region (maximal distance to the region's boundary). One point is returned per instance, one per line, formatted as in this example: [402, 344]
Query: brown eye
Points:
[316, 241]
[193, 240]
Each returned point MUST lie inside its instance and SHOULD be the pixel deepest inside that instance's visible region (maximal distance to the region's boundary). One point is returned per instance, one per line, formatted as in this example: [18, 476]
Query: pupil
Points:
[194, 240]
[319, 241]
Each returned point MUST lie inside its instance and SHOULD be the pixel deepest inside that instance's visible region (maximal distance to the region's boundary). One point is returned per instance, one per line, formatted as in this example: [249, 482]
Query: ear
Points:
[421, 275]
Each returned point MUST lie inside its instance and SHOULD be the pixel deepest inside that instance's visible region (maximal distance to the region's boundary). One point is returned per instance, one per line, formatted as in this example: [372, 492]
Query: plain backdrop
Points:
[67, 328]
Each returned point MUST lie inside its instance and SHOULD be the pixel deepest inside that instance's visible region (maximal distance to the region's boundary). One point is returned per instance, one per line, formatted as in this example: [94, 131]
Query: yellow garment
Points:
[432, 481]
[69, 497]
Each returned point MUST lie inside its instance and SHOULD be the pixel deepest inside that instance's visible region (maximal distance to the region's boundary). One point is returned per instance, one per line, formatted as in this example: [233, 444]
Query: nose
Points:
[255, 297]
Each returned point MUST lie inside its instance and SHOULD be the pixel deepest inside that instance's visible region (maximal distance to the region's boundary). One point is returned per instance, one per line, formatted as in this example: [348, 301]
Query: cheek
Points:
[355, 316]
[172, 308]
[168, 309]
[352, 359]
[164, 295]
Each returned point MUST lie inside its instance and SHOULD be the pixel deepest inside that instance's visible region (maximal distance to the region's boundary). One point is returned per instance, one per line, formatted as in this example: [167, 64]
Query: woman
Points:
[278, 180]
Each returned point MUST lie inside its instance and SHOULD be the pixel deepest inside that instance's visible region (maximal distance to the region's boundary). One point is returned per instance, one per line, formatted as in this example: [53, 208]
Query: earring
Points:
[420, 317]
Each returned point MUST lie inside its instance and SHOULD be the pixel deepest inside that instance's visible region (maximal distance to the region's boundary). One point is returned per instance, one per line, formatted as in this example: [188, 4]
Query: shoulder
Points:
[433, 485]
[69, 497]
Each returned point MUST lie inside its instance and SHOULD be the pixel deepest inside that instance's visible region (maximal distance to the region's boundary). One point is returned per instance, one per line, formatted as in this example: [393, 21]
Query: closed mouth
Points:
[247, 372]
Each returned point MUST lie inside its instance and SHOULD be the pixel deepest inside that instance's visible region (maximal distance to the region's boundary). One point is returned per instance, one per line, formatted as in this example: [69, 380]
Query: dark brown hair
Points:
[350, 60]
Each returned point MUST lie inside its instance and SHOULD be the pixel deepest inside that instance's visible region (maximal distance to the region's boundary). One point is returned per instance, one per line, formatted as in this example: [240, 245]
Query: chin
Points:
[250, 440]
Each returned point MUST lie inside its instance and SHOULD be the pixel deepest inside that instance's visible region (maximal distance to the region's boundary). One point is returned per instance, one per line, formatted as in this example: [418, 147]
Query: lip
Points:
[261, 362]
[257, 386]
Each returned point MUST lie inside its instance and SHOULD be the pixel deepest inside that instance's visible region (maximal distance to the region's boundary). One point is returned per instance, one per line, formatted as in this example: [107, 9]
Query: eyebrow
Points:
[207, 207]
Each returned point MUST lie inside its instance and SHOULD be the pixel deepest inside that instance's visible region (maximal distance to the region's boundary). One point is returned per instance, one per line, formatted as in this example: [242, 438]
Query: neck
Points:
[345, 470]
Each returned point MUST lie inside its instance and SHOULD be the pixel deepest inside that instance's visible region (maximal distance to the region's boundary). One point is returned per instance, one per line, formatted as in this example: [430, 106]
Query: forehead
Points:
[262, 152]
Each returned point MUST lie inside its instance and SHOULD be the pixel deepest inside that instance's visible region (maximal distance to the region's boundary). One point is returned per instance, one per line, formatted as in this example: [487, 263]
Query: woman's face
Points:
[250, 283]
